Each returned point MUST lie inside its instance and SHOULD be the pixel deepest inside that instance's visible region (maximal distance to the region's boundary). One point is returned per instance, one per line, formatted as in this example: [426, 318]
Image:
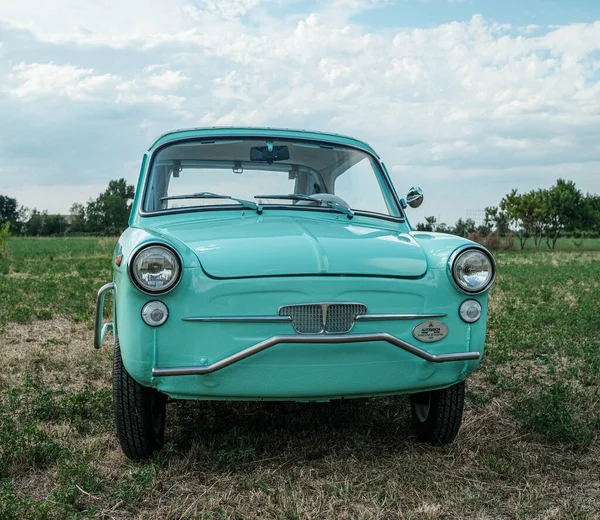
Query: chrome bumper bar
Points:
[314, 338]
[100, 330]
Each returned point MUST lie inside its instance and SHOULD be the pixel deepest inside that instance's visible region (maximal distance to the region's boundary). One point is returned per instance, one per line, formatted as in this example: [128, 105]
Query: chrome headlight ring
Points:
[455, 275]
[151, 282]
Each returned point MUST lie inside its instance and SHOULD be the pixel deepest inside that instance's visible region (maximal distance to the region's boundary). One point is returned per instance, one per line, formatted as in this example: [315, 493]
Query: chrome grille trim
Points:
[263, 319]
[391, 317]
[323, 318]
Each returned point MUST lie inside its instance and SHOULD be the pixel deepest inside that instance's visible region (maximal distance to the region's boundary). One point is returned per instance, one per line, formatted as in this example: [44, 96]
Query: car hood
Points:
[277, 246]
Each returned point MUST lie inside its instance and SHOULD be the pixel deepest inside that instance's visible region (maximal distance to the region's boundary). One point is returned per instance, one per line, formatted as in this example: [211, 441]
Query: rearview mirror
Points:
[264, 154]
[414, 198]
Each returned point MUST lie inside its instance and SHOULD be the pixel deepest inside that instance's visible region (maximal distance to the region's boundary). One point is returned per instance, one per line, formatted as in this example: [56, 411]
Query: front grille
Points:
[315, 318]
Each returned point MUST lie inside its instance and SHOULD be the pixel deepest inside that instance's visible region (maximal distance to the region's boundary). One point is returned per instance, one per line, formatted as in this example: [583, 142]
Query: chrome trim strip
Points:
[287, 319]
[390, 317]
[100, 329]
[244, 319]
[314, 339]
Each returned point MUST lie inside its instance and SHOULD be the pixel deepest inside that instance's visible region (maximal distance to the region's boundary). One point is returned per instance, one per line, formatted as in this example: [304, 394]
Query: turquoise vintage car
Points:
[269, 264]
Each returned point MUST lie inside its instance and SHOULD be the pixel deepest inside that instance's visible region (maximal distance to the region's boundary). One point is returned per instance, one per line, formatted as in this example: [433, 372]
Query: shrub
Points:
[492, 241]
[4, 234]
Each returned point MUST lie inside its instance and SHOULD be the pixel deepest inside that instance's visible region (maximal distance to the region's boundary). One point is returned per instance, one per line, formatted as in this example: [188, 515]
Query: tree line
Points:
[542, 215]
[108, 214]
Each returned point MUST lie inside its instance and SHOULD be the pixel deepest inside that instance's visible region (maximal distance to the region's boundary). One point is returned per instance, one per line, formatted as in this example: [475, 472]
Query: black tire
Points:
[139, 413]
[437, 415]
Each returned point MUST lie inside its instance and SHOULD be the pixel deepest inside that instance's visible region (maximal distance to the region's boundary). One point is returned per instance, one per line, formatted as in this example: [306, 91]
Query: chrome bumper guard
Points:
[100, 330]
[314, 338]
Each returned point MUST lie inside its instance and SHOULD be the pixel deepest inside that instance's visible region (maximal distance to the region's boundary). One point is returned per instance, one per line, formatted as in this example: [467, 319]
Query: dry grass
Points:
[58, 352]
[518, 455]
[353, 459]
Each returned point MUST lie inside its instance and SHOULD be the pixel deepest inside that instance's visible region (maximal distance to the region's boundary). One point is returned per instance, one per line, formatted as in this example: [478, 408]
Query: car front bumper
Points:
[328, 339]
[224, 340]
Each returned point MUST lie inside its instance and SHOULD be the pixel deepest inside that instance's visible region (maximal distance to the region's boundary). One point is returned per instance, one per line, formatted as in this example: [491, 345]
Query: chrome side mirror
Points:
[414, 198]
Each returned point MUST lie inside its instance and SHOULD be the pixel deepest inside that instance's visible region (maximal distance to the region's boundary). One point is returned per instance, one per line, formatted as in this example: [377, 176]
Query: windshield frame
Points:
[379, 171]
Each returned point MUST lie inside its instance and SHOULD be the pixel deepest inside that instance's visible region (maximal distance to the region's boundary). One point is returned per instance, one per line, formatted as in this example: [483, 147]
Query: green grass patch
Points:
[559, 413]
[48, 277]
[531, 418]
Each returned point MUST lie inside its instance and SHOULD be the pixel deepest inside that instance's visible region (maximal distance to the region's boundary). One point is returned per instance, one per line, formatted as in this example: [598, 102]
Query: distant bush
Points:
[492, 241]
[4, 234]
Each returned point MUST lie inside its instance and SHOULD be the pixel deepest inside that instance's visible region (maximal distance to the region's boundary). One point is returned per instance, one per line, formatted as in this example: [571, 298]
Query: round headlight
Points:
[473, 270]
[155, 269]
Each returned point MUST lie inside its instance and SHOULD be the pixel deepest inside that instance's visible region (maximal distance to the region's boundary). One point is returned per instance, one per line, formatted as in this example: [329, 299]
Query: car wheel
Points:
[437, 415]
[139, 413]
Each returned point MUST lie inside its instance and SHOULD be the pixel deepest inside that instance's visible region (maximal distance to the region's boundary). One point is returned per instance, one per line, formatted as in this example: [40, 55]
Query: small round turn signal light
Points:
[470, 311]
[155, 313]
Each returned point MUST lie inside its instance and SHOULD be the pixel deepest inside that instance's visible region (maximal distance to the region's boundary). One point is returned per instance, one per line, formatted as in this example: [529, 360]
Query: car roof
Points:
[266, 132]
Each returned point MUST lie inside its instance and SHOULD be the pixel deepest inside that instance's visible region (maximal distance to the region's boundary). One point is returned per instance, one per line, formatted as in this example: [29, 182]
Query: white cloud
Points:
[224, 8]
[48, 79]
[38, 80]
[167, 80]
[461, 97]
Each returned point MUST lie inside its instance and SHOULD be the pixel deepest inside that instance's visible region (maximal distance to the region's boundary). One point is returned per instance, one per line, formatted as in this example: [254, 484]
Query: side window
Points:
[359, 187]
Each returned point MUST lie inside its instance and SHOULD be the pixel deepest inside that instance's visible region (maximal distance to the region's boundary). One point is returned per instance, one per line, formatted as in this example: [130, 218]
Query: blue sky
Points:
[466, 98]
[427, 13]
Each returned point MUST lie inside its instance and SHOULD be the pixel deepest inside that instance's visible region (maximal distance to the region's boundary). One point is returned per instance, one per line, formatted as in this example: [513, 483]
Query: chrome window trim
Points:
[139, 249]
[461, 250]
[315, 339]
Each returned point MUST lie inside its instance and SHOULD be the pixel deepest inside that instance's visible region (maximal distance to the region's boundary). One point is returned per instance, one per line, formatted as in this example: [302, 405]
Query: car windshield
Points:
[261, 174]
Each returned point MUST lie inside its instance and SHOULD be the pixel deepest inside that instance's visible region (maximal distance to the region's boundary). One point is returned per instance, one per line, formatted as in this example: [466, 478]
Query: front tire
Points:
[437, 415]
[139, 412]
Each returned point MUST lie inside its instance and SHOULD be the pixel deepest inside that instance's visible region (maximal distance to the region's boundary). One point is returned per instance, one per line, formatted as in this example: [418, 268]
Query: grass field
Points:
[529, 446]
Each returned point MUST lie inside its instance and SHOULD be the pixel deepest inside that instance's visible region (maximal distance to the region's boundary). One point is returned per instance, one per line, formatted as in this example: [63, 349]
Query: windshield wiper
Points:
[208, 195]
[312, 198]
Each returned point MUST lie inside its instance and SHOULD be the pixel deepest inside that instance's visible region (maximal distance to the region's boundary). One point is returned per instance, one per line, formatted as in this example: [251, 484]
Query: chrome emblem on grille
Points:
[323, 318]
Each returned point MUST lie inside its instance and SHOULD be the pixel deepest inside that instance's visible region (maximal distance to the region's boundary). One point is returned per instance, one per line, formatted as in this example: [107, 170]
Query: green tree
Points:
[53, 225]
[11, 212]
[430, 222]
[428, 225]
[442, 227]
[590, 218]
[514, 208]
[35, 223]
[496, 220]
[109, 213]
[563, 210]
[78, 223]
[462, 228]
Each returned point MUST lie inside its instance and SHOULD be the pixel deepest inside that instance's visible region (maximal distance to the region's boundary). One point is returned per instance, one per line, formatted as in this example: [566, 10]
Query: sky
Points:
[465, 98]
